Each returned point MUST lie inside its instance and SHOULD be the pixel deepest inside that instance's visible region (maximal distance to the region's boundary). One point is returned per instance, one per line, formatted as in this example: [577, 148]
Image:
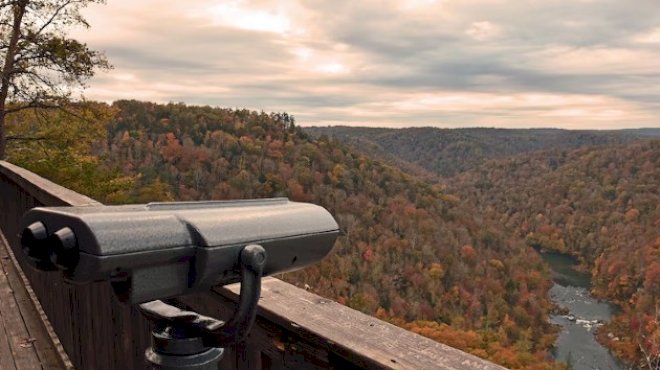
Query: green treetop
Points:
[40, 65]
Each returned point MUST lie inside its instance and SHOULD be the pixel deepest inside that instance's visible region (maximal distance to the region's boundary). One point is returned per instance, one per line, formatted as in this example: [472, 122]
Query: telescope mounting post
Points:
[186, 340]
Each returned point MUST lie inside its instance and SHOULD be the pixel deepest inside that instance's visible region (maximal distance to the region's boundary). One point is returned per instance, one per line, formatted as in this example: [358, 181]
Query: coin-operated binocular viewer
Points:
[162, 250]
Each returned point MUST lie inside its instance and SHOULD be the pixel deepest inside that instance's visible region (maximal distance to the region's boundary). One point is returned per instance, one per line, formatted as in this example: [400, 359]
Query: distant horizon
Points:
[484, 127]
[378, 126]
[578, 65]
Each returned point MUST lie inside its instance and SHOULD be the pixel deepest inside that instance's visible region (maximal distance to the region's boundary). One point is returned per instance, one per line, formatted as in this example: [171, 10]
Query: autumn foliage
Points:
[454, 265]
[601, 204]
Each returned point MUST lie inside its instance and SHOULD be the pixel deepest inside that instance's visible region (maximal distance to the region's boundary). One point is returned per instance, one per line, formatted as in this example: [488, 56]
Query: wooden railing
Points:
[294, 329]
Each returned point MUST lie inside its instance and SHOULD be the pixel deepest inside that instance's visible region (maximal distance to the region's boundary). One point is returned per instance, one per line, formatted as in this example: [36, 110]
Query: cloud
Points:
[482, 31]
[581, 64]
[233, 14]
[650, 37]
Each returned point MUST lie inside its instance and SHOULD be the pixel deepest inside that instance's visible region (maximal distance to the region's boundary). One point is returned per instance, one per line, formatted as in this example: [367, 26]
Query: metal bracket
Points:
[174, 324]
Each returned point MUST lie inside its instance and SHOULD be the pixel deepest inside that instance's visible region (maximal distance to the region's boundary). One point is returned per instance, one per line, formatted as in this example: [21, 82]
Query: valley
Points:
[591, 194]
[450, 258]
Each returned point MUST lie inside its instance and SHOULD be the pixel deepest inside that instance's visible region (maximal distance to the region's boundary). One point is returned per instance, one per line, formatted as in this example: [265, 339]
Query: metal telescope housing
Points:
[160, 250]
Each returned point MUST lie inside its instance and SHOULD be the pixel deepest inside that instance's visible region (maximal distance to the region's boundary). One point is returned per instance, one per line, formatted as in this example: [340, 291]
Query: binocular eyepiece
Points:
[49, 252]
[161, 250]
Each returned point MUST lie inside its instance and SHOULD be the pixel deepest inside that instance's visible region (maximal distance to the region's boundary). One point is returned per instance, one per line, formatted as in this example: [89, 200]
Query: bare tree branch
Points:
[26, 138]
[54, 16]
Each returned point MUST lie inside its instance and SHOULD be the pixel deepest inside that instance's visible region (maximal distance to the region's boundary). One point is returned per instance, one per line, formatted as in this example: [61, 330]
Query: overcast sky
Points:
[445, 63]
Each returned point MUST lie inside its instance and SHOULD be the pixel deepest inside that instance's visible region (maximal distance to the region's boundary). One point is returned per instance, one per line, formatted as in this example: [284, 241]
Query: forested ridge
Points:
[411, 252]
[447, 152]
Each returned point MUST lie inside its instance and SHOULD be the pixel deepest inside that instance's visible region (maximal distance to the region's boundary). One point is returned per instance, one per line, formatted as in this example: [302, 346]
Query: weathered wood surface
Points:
[294, 329]
[24, 341]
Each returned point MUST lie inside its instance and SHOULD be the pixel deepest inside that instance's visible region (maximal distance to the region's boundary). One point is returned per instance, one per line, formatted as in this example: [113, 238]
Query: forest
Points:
[591, 194]
[447, 152]
[598, 204]
[450, 260]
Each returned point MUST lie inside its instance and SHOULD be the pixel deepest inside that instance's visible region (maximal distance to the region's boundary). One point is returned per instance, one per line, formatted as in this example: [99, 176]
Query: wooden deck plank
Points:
[6, 357]
[20, 341]
[23, 332]
[43, 346]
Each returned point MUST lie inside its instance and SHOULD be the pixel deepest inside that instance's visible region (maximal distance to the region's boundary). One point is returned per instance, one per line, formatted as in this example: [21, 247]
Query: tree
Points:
[66, 149]
[41, 66]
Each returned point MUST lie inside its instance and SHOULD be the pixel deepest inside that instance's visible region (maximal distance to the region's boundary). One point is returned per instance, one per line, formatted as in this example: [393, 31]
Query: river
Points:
[576, 344]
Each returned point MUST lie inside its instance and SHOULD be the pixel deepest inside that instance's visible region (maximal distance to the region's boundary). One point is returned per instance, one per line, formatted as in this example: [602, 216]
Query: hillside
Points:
[600, 204]
[411, 253]
[446, 152]
[593, 194]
